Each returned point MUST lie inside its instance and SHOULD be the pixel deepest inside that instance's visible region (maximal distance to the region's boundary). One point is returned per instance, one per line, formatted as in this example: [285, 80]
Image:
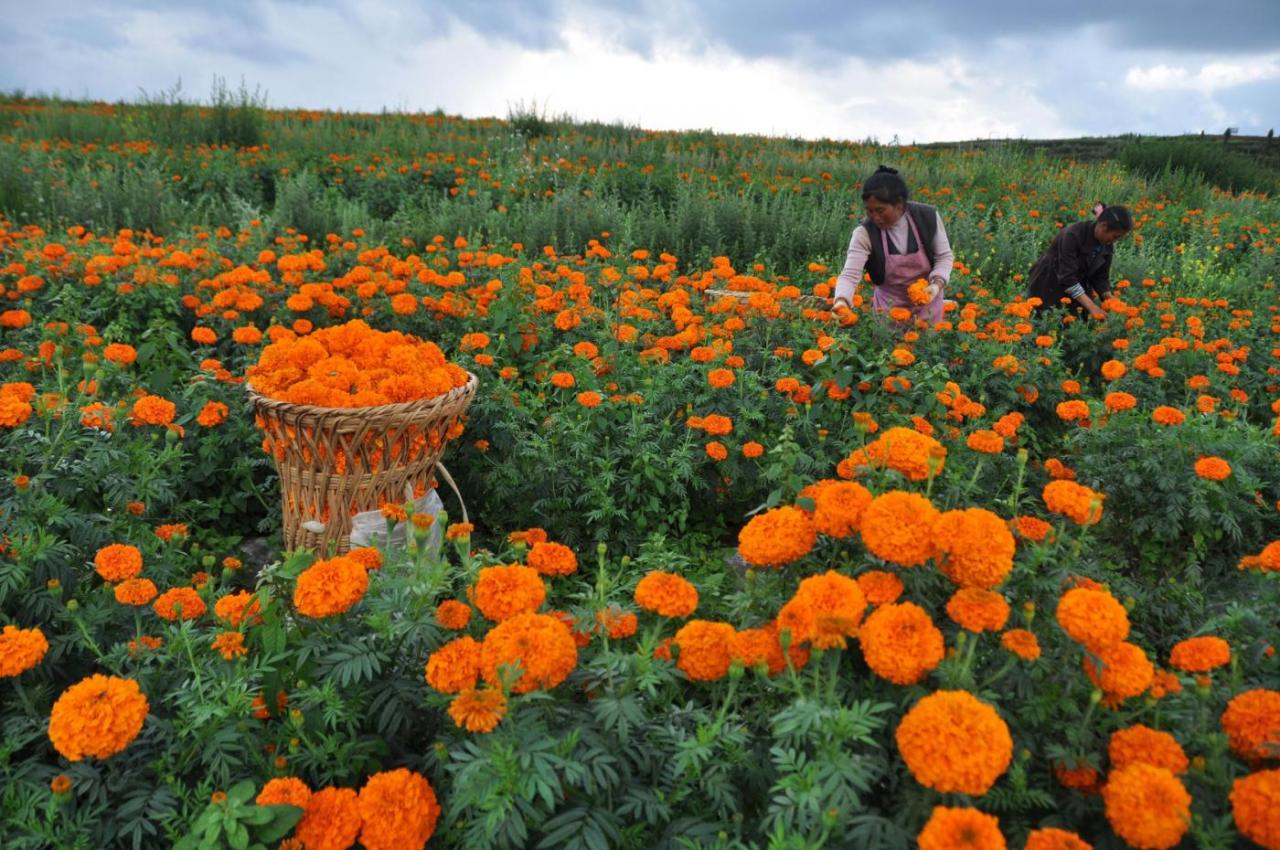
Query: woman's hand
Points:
[934, 287]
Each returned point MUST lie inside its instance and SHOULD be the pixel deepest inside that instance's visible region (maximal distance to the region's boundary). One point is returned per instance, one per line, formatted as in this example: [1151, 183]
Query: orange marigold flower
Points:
[1007, 426]
[136, 592]
[14, 411]
[1073, 410]
[120, 353]
[552, 559]
[284, 791]
[1126, 670]
[752, 449]
[454, 667]
[915, 455]
[328, 588]
[235, 608]
[1032, 528]
[898, 527]
[152, 410]
[763, 646]
[900, 642]
[1113, 370]
[563, 380]
[974, 547]
[540, 644]
[1021, 643]
[21, 649]
[1082, 777]
[1165, 415]
[1118, 401]
[1059, 470]
[1093, 618]
[824, 610]
[1200, 654]
[98, 717]
[880, 587]
[1147, 806]
[368, 556]
[1252, 724]
[204, 336]
[247, 335]
[978, 610]
[528, 537]
[1140, 744]
[502, 592]
[1164, 683]
[60, 784]
[986, 442]
[118, 562]
[478, 709]
[1052, 838]
[960, 829]
[590, 398]
[776, 537]
[666, 594]
[179, 603]
[459, 530]
[230, 645]
[398, 809]
[330, 820]
[212, 414]
[705, 649]
[1213, 468]
[394, 512]
[168, 531]
[453, 614]
[953, 742]
[1074, 501]
[837, 506]
[716, 450]
[1255, 806]
[717, 424]
[617, 624]
[720, 378]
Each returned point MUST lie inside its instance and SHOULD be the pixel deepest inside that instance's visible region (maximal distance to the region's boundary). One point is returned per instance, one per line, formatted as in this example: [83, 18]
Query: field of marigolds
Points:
[735, 571]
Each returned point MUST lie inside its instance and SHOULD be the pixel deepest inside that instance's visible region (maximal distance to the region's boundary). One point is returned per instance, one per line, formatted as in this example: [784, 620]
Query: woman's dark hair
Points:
[1116, 218]
[885, 186]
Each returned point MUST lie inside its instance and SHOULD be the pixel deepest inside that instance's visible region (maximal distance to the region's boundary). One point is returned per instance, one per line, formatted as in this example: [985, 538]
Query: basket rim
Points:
[394, 407]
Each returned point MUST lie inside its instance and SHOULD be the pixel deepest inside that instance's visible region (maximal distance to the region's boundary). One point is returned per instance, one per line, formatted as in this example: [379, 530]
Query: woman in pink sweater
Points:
[898, 243]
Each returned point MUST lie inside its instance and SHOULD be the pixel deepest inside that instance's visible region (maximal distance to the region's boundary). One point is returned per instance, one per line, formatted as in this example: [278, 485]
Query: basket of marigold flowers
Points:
[354, 418]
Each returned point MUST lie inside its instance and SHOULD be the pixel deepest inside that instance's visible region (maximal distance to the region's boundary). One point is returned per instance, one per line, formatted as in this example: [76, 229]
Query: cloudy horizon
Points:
[923, 72]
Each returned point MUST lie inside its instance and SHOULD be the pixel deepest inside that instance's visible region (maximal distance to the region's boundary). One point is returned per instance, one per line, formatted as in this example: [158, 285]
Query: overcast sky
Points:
[918, 70]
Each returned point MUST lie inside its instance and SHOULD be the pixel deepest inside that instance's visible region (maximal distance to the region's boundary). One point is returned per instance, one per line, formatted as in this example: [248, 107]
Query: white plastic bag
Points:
[370, 528]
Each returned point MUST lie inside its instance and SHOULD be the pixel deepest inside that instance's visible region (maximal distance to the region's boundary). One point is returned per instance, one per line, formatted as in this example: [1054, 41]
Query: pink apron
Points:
[900, 271]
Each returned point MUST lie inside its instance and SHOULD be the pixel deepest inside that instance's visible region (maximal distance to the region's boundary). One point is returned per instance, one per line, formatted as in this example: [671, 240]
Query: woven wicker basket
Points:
[335, 462]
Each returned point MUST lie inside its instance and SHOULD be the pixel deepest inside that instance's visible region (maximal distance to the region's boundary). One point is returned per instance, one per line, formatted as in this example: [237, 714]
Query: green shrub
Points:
[1210, 161]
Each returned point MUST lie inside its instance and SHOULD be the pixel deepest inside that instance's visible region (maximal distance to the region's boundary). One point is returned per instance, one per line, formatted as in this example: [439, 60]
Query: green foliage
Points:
[236, 823]
[1198, 160]
[621, 235]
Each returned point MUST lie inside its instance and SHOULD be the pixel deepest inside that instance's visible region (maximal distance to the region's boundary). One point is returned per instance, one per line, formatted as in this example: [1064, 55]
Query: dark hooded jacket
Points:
[1074, 256]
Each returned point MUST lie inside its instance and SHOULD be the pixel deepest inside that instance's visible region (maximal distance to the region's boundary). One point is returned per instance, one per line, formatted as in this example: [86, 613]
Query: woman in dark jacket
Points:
[1077, 267]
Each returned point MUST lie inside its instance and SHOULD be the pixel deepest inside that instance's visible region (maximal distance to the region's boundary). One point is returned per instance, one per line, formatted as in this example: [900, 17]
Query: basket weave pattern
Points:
[335, 462]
